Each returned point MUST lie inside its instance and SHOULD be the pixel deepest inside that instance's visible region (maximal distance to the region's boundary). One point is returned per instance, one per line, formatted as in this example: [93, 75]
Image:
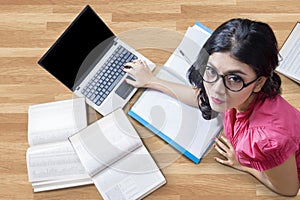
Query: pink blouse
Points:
[266, 134]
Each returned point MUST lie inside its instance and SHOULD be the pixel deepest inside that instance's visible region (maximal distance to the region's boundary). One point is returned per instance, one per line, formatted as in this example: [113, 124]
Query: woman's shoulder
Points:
[269, 133]
[276, 103]
[274, 122]
[266, 147]
[274, 112]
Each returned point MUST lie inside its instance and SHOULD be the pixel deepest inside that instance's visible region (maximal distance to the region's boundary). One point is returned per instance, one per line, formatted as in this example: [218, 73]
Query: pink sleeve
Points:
[272, 149]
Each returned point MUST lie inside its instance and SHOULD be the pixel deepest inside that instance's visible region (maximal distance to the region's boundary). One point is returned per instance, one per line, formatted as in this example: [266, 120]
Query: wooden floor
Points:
[29, 27]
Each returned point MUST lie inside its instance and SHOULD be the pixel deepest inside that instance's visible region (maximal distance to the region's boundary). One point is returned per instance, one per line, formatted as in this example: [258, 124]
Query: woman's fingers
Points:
[140, 71]
[220, 143]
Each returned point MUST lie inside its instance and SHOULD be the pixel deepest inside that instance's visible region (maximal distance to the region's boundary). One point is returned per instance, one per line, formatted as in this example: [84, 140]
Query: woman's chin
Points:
[218, 108]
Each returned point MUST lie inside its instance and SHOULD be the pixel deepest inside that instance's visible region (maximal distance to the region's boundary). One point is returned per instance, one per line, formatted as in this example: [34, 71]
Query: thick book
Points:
[180, 125]
[114, 156]
[289, 64]
[51, 160]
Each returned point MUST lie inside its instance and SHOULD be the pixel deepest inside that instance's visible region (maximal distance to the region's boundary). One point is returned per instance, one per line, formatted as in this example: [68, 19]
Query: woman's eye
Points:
[234, 78]
[210, 71]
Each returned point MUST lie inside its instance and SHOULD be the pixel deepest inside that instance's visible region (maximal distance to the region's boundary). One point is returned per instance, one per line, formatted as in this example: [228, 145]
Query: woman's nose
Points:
[219, 87]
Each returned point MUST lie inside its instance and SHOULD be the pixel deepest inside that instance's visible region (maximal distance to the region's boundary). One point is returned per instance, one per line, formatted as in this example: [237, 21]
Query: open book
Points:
[180, 125]
[51, 160]
[114, 156]
[290, 53]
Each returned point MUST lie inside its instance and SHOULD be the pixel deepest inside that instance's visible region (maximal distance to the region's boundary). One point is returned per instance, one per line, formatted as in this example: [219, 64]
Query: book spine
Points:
[204, 27]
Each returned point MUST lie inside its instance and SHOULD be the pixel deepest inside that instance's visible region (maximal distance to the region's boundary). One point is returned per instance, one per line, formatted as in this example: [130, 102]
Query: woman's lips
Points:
[217, 101]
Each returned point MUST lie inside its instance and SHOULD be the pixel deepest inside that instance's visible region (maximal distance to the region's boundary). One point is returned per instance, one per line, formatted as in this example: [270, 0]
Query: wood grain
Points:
[29, 27]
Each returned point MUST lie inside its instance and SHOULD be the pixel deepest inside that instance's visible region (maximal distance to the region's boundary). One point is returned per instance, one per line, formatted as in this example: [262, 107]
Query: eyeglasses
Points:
[232, 82]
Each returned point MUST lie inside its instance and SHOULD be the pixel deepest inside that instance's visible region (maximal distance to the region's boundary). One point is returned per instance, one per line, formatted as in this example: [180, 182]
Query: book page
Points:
[105, 142]
[53, 161]
[290, 52]
[177, 121]
[133, 177]
[187, 51]
[79, 180]
[55, 121]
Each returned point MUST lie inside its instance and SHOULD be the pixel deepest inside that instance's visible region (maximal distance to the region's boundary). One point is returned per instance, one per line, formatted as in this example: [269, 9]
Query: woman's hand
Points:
[145, 78]
[224, 147]
[140, 71]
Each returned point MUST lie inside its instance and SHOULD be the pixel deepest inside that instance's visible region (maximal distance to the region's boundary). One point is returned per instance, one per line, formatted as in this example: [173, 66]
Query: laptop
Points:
[88, 59]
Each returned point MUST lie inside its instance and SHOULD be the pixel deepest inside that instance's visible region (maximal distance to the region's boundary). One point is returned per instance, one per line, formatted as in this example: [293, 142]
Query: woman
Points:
[235, 75]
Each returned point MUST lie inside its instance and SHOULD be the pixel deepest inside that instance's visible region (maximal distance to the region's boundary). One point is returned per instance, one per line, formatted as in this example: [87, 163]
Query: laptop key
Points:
[109, 76]
[120, 76]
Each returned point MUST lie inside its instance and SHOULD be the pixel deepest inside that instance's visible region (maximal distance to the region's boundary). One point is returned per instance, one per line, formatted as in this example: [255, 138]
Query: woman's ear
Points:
[259, 84]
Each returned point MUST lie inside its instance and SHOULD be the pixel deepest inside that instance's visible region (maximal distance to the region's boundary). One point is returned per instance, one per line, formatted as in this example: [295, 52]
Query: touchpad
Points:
[124, 89]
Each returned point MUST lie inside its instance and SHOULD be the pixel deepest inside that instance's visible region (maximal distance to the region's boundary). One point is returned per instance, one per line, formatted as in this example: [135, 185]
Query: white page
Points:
[55, 121]
[182, 123]
[53, 161]
[178, 65]
[82, 177]
[200, 36]
[290, 52]
[61, 183]
[192, 42]
[105, 141]
[133, 177]
[187, 51]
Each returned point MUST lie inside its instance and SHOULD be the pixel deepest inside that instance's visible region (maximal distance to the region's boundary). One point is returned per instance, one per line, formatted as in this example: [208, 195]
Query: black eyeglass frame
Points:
[223, 78]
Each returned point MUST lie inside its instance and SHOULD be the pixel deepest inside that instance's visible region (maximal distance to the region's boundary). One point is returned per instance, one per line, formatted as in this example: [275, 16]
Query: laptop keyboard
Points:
[108, 76]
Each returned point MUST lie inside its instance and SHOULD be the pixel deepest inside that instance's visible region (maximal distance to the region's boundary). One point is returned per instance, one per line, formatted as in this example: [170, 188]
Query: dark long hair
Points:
[247, 41]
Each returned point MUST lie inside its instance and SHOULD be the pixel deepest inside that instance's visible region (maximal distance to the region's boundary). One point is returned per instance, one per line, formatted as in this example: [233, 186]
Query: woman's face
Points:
[220, 97]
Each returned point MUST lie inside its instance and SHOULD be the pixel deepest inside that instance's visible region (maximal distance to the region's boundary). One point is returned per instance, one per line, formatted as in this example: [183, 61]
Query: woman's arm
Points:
[282, 179]
[145, 78]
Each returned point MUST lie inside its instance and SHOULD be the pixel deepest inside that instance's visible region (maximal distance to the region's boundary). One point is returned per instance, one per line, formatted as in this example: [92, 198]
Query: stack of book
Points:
[51, 160]
[66, 152]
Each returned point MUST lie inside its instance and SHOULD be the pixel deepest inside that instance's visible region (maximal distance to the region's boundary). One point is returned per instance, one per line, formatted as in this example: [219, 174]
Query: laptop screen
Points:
[64, 59]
